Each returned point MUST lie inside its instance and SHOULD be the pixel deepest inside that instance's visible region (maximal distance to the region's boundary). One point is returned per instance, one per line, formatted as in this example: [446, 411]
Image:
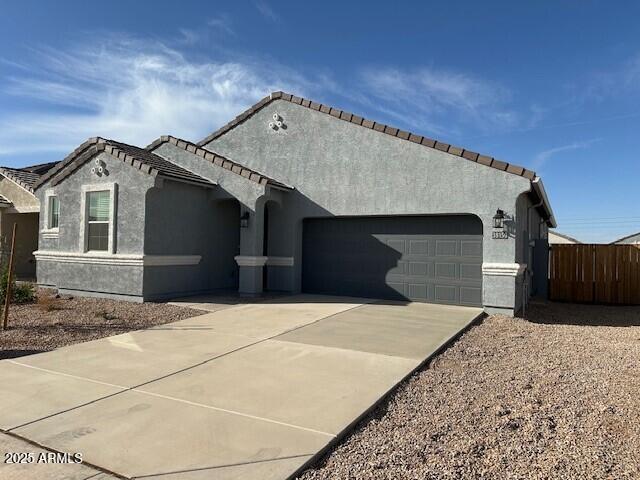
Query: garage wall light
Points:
[498, 219]
[244, 220]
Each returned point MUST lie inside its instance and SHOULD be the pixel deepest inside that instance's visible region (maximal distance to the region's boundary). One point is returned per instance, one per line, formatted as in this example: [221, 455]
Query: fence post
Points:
[8, 292]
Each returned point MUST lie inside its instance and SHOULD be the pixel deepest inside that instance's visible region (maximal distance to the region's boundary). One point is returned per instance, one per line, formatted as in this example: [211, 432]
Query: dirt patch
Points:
[555, 395]
[54, 322]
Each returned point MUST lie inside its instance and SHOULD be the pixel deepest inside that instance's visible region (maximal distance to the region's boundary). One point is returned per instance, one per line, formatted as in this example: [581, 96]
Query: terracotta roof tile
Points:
[137, 157]
[442, 146]
[27, 177]
[218, 160]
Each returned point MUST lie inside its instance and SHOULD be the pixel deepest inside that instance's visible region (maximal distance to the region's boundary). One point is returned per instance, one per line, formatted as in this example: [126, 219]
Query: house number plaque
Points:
[499, 235]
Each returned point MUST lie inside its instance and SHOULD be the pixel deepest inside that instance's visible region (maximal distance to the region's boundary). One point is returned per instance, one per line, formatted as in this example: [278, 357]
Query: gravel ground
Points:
[554, 396]
[55, 322]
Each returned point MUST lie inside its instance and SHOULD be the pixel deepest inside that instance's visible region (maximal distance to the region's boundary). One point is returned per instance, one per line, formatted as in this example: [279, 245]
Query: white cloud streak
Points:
[133, 91]
[438, 99]
[543, 157]
[266, 11]
[223, 23]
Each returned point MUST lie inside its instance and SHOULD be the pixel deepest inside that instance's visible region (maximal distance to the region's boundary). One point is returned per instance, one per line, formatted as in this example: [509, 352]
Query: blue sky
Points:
[550, 85]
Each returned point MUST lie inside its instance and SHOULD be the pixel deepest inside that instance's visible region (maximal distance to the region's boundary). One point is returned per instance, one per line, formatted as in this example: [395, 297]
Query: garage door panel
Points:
[418, 291]
[446, 248]
[419, 268]
[471, 248]
[446, 270]
[446, 294]
[418, 247]
[435, 259]
[470, 296]
[470, 271]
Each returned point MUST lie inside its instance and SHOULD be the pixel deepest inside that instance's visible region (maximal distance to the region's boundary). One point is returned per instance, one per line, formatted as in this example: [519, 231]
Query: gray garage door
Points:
[425, 258]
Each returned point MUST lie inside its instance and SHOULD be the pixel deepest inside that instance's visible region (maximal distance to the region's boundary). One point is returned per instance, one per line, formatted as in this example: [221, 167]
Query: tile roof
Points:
[139, 158]
[28, 176]
[379, 127]
[219, 160]
[40, 168]
[25, 179]
[627, 237]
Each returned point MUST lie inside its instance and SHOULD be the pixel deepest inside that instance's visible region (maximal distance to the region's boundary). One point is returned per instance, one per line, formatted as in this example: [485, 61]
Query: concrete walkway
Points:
[246, 392]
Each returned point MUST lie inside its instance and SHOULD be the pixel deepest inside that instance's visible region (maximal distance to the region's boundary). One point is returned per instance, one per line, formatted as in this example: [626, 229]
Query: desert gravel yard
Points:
[555, 395]
[55, 322]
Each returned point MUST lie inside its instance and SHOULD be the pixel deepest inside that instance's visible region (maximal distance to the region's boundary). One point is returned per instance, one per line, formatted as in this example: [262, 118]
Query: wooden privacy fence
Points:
[592, 273]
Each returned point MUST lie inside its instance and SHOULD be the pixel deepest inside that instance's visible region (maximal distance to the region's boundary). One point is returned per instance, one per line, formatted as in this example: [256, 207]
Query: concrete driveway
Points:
[247, 392]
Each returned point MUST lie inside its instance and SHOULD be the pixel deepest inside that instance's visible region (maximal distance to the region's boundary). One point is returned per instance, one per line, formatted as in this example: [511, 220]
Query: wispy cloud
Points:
[616, 81]
[131, 90]
[134, 90]
[223, 23]
[543, 157]
[439, 100]
[267, 12]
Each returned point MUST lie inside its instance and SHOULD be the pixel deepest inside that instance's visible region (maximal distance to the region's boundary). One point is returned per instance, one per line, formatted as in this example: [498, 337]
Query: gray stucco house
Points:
[633, 239]
[19, 205]
[296, 196]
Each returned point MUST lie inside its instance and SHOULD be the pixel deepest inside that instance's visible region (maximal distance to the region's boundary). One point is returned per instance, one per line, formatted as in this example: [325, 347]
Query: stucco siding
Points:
[339, 169]
[17, 195]
[182, 219]
[129, 224]
[26, 242]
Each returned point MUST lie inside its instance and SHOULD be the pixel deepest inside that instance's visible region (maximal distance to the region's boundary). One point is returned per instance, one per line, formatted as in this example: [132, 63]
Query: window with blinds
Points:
[54, 212]
[98, 222]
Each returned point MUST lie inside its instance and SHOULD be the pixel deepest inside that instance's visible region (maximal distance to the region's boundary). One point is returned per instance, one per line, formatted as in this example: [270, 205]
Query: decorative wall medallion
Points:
[277, 123]
[99, 168]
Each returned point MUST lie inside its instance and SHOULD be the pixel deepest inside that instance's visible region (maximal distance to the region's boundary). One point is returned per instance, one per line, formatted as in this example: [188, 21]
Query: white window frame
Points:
[112, 188]
[48, 232]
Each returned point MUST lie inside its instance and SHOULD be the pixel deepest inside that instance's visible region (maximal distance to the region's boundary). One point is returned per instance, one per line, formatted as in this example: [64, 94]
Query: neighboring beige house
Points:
[633, 239]
[556, 238]
[18, 205]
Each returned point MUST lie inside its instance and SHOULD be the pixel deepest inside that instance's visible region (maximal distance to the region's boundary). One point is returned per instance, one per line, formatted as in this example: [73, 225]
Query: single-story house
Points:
[633, 239]
[292, 196]
[557, 238]
[19, 205]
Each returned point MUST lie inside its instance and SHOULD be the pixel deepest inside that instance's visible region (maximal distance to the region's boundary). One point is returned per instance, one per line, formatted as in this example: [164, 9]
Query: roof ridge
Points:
[625, 237]
[379, 127]
[219, 160]
[116, 149]
[564, 235]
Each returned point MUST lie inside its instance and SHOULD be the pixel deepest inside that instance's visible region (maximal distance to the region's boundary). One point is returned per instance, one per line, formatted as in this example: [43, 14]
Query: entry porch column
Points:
[251, 260]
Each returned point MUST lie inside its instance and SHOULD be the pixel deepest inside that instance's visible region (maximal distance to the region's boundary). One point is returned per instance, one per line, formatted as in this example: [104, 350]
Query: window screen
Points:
[54, 212]
[98, 224]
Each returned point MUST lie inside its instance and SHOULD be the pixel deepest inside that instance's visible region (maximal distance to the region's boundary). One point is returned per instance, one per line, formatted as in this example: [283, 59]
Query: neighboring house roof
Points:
[28, 176]
[394, 132]
[40, 168]
[25, 179]
[4, 201]
[137, 157]
[219, 160]
[628, 237]
[566, 237]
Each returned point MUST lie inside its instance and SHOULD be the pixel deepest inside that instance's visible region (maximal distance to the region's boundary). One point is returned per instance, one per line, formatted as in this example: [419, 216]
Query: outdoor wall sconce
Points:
[244, 220]
[498, 219]
[498, 226]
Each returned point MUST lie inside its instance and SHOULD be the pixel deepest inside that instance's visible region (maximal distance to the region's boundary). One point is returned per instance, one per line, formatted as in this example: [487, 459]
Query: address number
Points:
[500, 235]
